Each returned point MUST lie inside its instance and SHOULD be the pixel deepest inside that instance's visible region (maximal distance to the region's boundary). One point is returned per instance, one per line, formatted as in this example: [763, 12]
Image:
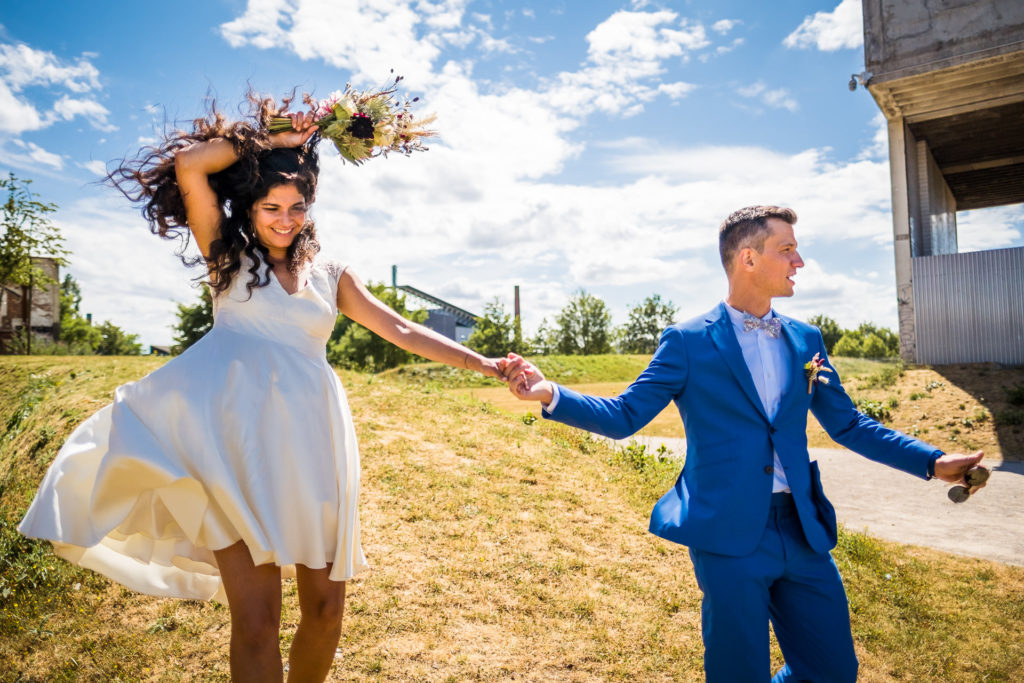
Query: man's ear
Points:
[745, 258]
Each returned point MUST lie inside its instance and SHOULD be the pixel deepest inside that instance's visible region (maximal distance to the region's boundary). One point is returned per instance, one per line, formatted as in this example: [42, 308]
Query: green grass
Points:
[609, 367]
[502, 549]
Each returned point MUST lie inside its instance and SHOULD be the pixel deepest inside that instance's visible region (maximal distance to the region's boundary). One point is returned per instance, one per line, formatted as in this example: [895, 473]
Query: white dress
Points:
[245, 436]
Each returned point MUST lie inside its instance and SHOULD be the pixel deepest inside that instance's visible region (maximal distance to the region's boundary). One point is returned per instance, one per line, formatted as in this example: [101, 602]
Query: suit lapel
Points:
[799, 355]
[724, 339]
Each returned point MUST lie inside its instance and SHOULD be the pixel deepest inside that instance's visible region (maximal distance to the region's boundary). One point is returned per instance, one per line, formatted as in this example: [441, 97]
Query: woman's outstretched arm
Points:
[194, 165]
[358, 304]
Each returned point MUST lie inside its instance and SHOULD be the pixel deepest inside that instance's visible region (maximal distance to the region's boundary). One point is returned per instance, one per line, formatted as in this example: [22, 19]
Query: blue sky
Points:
[592, 145]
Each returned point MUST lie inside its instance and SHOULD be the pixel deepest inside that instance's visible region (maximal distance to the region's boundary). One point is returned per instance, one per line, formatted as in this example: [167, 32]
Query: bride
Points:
[236, 462]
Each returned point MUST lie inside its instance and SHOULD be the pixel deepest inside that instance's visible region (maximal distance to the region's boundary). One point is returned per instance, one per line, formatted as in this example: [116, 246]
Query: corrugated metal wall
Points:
[969, 308]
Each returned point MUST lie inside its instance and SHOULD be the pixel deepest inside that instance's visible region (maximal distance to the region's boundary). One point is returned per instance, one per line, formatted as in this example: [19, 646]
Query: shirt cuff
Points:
[550, 407]
[931, 463]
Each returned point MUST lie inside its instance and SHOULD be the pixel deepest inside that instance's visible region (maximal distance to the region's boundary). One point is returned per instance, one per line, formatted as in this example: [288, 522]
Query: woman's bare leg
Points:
[254, 597]
[322, 603]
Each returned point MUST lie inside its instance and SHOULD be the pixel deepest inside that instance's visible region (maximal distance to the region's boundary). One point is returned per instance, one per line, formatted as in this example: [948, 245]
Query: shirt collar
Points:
[736, 316]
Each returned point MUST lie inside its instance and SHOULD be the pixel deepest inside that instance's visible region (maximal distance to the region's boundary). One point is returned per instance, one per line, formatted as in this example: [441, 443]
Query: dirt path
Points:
[890, 504]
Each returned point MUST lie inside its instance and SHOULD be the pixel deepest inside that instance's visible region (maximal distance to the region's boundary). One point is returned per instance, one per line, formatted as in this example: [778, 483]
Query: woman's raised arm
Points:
[194, 165]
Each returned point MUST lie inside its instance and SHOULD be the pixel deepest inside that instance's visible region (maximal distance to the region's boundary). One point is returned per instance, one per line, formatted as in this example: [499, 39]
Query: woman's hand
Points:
[493, 367]
[526, 381]
[303, 128]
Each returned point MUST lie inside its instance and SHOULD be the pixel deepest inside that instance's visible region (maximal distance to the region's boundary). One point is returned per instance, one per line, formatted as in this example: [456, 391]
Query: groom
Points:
[749, 502]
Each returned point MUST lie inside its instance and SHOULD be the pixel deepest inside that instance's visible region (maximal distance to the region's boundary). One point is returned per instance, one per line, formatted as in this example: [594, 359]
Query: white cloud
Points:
[879, 147]
[841, 28]
[17, 115]
[723, 26]
[95, 167]
[778, 98]
[21, 66]
[677, 90]
[106, 241]
[724, 49]
[491, 181]
[993, 228]
[31, 154]
[625, 57]
[366, 37]
[94, 112]
[847, 299]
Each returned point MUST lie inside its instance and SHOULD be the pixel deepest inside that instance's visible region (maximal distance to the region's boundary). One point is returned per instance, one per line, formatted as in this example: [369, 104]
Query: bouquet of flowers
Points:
[365, 124]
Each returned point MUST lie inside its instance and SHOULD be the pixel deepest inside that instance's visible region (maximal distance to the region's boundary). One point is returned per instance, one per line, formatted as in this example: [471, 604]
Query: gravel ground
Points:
[890, 504]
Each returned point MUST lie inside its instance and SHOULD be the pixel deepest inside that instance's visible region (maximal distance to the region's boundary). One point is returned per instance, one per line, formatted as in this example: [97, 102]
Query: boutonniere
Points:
[813, 369]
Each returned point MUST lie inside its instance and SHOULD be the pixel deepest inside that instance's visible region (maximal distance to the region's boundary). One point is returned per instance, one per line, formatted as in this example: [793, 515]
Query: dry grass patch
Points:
[501, 551]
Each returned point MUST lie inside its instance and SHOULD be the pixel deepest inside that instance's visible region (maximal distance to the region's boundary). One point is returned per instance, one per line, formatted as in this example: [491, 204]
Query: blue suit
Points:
[722, 503]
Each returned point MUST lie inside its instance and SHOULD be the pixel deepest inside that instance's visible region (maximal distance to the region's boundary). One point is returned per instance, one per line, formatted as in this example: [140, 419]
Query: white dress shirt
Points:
[768, 362]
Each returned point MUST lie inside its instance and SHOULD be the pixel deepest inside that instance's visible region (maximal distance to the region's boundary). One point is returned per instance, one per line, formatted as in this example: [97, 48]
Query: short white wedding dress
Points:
[245, 436]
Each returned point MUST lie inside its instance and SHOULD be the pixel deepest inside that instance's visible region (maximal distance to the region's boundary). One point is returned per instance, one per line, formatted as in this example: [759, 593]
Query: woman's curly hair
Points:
[150, 182]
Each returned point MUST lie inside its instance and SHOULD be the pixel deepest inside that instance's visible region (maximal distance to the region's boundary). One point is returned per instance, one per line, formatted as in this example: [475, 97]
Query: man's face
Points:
[775, 266]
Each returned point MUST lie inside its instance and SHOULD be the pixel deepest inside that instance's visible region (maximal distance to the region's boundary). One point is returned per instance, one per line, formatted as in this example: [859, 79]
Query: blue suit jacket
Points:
[721, 500]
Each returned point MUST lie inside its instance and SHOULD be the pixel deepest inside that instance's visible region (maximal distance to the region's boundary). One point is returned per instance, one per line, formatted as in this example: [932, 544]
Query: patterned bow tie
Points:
[771, 326]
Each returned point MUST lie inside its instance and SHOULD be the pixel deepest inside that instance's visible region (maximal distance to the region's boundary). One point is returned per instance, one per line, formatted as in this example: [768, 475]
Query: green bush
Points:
[876, 410]
[849, 344]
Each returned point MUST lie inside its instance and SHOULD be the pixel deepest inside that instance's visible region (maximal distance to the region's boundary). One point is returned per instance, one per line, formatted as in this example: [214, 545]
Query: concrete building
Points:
[15, 302]
[949, 77]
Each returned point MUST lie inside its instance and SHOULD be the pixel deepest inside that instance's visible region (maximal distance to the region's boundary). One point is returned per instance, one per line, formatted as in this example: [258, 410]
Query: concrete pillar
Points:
[900, 139]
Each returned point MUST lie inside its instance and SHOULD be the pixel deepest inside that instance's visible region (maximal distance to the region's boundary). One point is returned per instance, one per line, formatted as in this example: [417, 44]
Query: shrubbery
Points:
[866, 341]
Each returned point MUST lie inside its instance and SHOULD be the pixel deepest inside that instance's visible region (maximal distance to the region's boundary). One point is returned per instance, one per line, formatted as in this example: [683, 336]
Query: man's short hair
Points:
[748, 227]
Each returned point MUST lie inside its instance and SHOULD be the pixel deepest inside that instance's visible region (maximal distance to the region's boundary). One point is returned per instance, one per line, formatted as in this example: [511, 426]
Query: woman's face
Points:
[278, 218]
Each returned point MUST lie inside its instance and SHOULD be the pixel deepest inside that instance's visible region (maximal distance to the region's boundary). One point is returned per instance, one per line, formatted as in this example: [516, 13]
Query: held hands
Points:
[304, 127]
[525, 380]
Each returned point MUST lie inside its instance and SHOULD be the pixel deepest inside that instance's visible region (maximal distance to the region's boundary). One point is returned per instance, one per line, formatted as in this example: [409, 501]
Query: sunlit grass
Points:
[503, 548]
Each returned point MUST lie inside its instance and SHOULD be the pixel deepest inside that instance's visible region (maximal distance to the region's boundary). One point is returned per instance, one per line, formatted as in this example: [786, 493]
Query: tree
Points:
[116, 342]
[584, 326]
[193, 321]
[874, 347]
[830, 330]
[518, 345]
[890, 341]
[27, 232]
[493, 331]
[75, 331]
[544, 342]
[646, 322]
[850, 345]
[353, 346]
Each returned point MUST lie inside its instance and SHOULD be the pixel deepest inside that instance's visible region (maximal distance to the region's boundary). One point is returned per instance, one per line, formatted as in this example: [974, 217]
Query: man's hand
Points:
[952, 466]
[525, 380]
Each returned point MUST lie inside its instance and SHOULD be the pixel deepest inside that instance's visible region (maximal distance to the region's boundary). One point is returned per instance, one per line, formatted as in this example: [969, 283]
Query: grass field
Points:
[503, 548]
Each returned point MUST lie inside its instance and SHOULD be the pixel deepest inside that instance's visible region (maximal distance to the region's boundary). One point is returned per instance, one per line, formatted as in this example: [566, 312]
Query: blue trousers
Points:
[785, 582]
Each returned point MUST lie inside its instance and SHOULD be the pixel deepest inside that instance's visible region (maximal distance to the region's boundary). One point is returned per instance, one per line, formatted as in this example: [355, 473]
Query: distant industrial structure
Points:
[17, 302]
[949, 77]
[442, 317]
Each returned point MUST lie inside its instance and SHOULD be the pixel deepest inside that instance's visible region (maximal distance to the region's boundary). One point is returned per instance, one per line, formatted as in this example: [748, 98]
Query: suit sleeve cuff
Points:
[550, 407]
[931, 463]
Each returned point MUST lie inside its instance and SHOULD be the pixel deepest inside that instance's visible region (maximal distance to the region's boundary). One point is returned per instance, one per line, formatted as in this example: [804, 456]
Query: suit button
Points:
[771, 430]
[768, 469]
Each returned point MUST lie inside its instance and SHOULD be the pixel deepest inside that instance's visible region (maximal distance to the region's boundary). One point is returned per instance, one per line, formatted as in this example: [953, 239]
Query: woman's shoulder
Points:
[331, 266]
